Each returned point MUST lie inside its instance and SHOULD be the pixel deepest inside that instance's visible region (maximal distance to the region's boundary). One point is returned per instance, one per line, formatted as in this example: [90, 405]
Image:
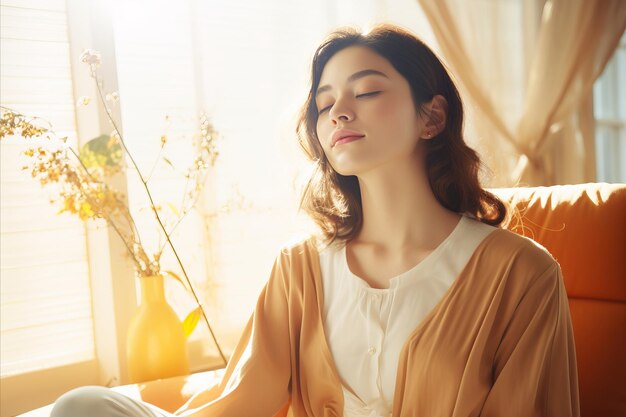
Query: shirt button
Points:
[371, 351]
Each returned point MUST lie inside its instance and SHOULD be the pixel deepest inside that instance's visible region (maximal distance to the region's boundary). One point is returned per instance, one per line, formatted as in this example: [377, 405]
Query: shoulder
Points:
[509, 244]
[301, 247]
[517, 256]
[517, 268]
[296, 256]
[297, 265]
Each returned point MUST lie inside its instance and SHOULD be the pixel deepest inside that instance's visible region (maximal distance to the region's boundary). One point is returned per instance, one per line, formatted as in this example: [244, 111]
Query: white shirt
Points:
[366, 327]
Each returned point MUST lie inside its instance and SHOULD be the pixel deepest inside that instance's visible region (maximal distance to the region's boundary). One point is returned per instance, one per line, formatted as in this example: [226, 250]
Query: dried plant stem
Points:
[158, 218]
[156, 161]
[180, 219]
[129, 218]
[110, 219]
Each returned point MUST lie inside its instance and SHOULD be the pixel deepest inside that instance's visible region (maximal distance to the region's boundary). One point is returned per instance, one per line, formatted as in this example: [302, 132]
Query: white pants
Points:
[95, 401]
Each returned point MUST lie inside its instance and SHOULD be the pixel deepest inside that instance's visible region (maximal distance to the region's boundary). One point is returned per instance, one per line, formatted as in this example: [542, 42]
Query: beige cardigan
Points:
[499, 343]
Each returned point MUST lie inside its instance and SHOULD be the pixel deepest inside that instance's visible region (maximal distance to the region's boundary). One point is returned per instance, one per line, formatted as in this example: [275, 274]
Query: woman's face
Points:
[362, 92]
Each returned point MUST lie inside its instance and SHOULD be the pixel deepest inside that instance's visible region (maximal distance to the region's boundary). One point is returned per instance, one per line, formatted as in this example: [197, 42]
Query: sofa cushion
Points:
[584, 228]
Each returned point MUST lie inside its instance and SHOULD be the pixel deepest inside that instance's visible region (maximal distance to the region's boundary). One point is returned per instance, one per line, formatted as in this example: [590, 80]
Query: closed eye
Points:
[324, 109]
[373, 93]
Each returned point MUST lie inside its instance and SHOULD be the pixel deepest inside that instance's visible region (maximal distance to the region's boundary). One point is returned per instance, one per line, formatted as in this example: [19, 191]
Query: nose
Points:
[340, 112]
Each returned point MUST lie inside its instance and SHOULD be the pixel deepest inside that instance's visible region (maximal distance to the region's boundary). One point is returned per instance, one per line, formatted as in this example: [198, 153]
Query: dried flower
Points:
[113, 97]
[83, 101]
[90, 57]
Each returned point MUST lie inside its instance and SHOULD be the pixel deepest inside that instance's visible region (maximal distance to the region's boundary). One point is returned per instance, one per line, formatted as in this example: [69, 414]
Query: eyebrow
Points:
[352, 78]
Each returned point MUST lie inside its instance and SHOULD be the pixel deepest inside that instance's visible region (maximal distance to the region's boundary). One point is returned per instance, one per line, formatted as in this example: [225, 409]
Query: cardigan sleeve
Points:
[258, 374]
[534, 372]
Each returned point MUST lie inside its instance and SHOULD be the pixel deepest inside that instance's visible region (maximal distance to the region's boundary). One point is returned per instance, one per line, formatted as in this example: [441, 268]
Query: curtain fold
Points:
[541, 135]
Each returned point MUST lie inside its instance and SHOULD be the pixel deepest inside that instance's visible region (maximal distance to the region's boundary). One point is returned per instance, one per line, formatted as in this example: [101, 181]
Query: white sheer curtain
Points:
[539, 131]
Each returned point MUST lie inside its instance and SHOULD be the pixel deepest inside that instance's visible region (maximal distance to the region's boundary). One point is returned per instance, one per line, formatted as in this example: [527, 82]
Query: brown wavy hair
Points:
[333, 200]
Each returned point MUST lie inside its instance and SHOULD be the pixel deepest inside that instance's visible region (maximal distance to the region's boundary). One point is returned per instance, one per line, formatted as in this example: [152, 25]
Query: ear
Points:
[436, 114]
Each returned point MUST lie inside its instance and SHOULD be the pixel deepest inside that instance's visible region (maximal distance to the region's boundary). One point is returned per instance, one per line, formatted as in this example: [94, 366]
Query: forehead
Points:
[353, 59]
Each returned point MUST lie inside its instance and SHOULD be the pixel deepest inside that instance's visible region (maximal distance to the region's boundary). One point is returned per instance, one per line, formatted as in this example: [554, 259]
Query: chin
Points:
[360, 163]
[343, 170]
[348, 171]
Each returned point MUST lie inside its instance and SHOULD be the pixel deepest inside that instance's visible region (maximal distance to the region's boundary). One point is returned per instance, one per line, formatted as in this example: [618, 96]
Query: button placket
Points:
[375, 336]
[372, 303]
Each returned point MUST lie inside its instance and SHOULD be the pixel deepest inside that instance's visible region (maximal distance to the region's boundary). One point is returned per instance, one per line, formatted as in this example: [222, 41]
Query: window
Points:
[609, 100]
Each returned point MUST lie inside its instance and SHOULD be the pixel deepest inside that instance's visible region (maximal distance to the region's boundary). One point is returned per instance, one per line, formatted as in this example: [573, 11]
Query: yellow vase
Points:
[156, 345]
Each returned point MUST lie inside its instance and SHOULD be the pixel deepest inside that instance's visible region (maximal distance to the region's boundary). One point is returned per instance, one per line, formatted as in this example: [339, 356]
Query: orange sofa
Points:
[584, 227]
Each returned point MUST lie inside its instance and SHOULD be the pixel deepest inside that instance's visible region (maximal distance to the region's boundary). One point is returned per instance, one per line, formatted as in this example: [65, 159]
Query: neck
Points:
[400, 210]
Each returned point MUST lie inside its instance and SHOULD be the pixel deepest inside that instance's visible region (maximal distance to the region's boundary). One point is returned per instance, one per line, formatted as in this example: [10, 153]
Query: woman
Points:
[412, 301]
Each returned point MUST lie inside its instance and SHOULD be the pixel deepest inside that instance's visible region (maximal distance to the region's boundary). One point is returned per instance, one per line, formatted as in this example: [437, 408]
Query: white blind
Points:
[45, 307]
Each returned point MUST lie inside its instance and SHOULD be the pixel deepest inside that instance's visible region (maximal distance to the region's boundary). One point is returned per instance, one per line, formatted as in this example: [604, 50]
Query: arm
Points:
[535, 364]
[258, 374]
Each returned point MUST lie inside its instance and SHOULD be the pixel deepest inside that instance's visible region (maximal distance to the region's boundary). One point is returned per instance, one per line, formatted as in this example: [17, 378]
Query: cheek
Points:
[398, 122]
[323, 130]
[323, 138]
[401, 110]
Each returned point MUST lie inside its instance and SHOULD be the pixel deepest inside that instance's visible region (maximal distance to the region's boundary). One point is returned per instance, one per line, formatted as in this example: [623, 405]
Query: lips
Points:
[344, 136]
[347, 139]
